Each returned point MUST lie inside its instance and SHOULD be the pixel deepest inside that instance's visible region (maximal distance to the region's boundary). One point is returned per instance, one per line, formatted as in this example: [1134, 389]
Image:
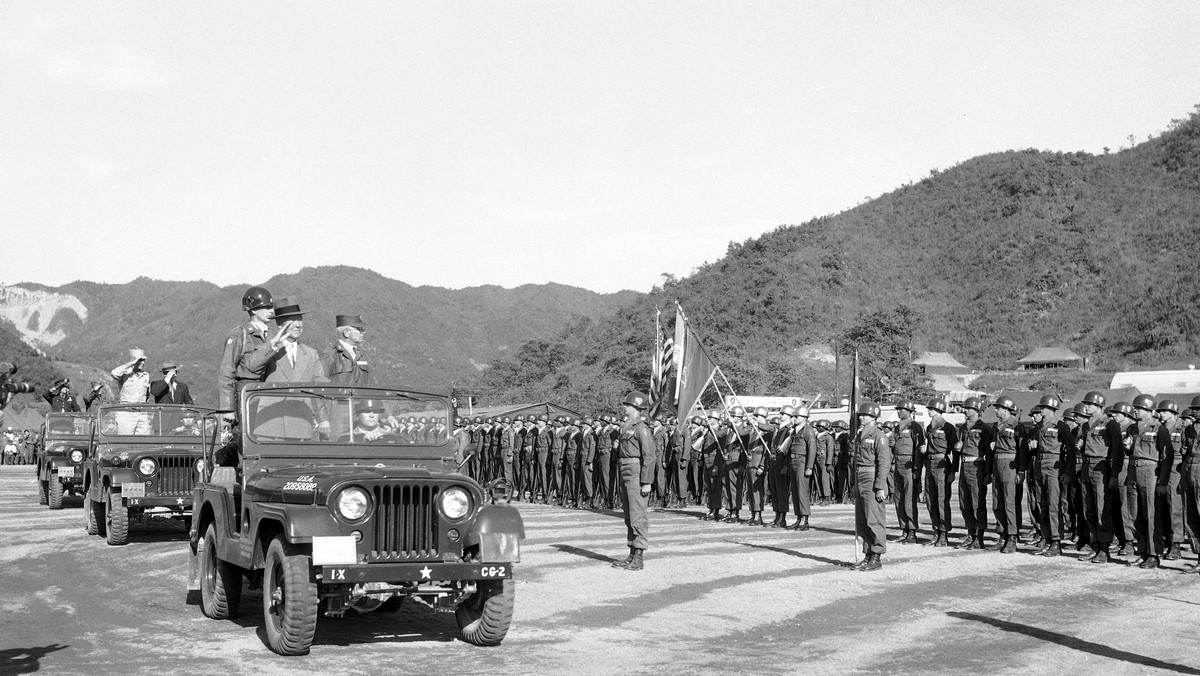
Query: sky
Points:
[594, 144]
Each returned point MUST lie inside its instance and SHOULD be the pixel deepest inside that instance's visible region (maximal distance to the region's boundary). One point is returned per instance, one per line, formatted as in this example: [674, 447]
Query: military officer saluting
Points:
[637, 459]
[872, 463]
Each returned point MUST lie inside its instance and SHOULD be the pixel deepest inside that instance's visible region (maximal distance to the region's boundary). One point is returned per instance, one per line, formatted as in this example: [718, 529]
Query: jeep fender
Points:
[302, 522]
[497, 532]
[122, 475]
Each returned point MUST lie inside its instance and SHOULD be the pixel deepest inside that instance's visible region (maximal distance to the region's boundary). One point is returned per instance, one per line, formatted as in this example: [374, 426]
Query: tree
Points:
[884, 343]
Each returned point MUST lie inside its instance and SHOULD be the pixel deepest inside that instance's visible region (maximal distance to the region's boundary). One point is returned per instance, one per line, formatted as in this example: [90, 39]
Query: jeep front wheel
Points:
[116, 520]
[220, 581]
[289, 599]
[41, 492]
[93, 516]
[55, 497]
[484, 618]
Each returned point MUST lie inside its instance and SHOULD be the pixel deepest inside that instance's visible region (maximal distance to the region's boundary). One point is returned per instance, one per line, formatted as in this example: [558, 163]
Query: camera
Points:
[9, 387]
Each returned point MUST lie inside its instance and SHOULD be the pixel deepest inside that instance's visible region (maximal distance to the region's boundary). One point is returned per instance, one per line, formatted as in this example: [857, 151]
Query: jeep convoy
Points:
[319, 499]
[65, 439]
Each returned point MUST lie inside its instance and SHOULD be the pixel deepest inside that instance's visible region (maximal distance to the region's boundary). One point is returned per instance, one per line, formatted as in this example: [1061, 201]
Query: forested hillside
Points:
[986, 260]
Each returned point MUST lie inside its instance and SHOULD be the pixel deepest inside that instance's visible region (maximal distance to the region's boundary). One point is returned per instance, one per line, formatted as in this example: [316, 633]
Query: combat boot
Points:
[969, 543]
[1053, 550]
[626, 562]
[872, 562]
[732, 517]
[1126, 549]
[803, 524]
[1101, 555]
[1001, 543]
[942, 540]
[1173, 554]
[780, 521]
[937, 535]
[1010, 546]
[1150, 562]
[635, 561]
[860, 564]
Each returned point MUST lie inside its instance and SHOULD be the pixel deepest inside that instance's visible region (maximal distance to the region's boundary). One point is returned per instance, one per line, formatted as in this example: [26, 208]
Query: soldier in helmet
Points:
[908, 443]
[940, 463]
[1048, 441]
[1006, 467]
[1102, 451]
[1147, 478]
[974, 446]
[1170, 502]
[823, 467]
[638, 457]
[662, 448]
[712, 458]
[872, 464]
[1189, 469]
[542, 440]
[248, 347]
[734, 446]
[796, 449]
[758, 463]
[841, 469]
[1069, 478]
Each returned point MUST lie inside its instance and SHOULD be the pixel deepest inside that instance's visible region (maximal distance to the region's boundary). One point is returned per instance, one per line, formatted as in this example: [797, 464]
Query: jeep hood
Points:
[312, 484]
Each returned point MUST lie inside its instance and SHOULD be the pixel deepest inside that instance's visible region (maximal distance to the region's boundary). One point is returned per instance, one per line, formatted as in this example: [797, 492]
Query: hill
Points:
[986, 260]
[425, 337]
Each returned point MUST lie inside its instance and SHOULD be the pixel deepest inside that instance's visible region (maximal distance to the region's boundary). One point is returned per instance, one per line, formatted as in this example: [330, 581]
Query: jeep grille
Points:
[176, 475]
[406, 522]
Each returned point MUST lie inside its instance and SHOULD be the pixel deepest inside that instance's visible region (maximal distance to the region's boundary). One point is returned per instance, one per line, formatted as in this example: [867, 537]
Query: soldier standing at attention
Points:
[681, 451]
[841, 476]
[872, 464]
[974, 444]
[1103, 454]
[1170, 501]
[908, 442]
[1069, 477]
[1048, 441]
[601, 474]
[638, 457]
[1007, 470]
[735, 464]
[796, 445]
[1189, 484]
[758, 462]
[823, 468]
[1124, 511]
[941, 445]
[696, 467]
[543, 438]
[247, 348]
[712, 454]
[1147, 478]
[662, 449]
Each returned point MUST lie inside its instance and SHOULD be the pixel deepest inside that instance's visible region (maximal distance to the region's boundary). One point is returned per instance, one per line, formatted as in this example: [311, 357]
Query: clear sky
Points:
[596, 144]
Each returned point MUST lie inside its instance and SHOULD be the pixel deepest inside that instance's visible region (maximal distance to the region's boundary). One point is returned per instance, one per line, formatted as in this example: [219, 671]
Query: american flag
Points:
[664, 356]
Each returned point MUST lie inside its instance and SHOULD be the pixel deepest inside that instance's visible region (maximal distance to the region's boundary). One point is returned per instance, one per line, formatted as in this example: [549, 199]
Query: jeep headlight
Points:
[147, 467]
[77, 456]
[352, 503]
[200, 465]
[456, 503]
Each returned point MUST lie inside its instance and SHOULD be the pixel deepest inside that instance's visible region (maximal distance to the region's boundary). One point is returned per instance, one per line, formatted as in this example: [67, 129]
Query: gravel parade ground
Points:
[714, 598]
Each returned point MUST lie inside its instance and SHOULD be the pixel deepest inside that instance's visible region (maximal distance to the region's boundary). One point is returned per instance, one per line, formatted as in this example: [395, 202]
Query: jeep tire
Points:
[116, 520]
[55, 496]
[220, 581]
[42, 492]
[484, 618]
[290, 600]
[93, 517]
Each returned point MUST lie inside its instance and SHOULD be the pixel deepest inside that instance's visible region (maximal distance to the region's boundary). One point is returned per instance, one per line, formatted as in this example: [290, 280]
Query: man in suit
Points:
[343, 362]
[170, 390]
[296, 362]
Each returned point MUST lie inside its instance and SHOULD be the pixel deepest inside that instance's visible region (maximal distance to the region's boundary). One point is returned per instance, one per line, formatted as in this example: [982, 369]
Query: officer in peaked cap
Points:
[637, 459]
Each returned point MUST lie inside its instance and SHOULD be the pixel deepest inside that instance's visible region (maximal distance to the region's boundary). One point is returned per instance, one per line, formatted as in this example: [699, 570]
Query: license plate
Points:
[493, 571]
[78, 470]
[137, 490]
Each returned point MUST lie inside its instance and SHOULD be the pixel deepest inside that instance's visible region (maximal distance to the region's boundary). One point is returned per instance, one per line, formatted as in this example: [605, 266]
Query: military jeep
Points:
[142, 463]
[319, 499]
[65, 438]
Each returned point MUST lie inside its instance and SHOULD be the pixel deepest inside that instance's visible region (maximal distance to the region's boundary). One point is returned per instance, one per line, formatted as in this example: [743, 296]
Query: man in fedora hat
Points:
[296, 362]
[344, 363]
[170, 389]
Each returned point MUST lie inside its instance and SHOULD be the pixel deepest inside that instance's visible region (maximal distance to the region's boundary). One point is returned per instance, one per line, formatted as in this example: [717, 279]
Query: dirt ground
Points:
[714, 598]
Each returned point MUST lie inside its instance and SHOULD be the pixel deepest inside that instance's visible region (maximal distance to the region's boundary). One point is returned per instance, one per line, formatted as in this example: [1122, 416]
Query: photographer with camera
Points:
[9, 387]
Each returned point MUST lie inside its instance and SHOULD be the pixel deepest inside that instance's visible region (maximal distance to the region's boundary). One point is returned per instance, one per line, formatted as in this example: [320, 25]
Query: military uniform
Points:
[872, 461]
[244, 360]
[712, 456]
[941, 462]
[1170, 505]
[823, 467]
[638, 456]
[973, 479]
[1006, 465]
[797, 450]
[1102, 458]
[906, 453]
[1189, 484]
[1048, 443]
[1148, 455]
[543, 438]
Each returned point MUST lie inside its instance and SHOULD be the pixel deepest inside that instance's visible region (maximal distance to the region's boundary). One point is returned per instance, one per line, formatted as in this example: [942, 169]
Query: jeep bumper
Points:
[430, 571]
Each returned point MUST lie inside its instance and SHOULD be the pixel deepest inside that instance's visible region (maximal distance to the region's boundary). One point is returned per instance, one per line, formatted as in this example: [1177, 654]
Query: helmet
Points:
[937, 404]
[975, 403]
[636, 400]
[365, 405]
[841, 425]
[1005, 403]
[1196, 402]
[457, 420]
[1049, 401]
[788, 410]
[1188, 414]
[761, 410]
[737, 411]
[822, 424]
[256, 298]
[1144, 401]
[1168, 405]
[507, 420]
[1123, 408]
[543, 418]
[478, 420]
[1068, 415]
[1094, 398]
[1080, 410]
[905, 404]
[697, 420]
[868, 408]
[802, 412]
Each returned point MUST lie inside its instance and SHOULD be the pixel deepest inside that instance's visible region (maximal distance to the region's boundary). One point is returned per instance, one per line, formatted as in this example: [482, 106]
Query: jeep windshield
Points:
[149, 420]
[339, 416]
[67, 425]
